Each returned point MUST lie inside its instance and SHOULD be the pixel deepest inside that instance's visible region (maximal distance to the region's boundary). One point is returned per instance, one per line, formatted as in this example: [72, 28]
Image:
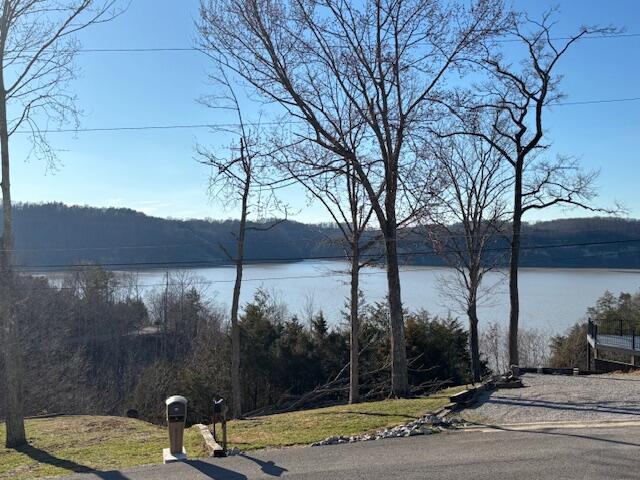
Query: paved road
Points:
[568, 453]
[589, 398]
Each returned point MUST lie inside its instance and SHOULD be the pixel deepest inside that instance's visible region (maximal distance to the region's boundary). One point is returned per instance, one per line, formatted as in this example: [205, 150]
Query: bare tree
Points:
[517, 97]
[467, 221]
[37, 48]
[242, 179]
[494, 345]
[533, 344]
[384, 59]
[335, 185]
[172, 312]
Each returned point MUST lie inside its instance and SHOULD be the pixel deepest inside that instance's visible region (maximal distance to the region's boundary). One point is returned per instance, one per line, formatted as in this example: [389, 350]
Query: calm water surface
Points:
[552, 299]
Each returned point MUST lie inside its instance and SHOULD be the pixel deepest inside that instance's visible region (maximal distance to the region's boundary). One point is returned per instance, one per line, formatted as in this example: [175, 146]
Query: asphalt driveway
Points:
[609, 452]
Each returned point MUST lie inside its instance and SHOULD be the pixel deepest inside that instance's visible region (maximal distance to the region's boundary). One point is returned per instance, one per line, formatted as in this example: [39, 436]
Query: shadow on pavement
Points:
[212, 470]
[564, 434]
[267, 467]
[585, 406]
[618, 379]
[577, 406]
[42, 456]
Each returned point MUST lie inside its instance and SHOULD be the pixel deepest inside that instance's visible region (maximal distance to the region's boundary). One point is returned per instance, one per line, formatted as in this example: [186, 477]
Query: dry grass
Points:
[305, 427]
[64, 445]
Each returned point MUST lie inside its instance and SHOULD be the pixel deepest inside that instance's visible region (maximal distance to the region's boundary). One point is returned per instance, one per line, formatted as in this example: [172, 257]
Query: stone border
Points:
[425, 425]
[429, 423]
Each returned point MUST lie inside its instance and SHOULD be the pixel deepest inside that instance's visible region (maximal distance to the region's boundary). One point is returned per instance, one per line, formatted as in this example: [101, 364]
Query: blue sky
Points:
[155, 171]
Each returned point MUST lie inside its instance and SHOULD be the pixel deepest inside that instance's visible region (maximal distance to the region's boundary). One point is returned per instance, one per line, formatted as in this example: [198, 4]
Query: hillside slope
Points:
[56, 235]
[82, 443]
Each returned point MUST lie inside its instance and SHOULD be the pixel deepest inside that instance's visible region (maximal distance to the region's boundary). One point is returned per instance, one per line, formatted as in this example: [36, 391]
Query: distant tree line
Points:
[56, 234]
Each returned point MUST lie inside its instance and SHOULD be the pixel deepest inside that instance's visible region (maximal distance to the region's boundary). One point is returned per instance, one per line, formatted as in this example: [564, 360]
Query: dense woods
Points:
[59, 235]
[93, 345]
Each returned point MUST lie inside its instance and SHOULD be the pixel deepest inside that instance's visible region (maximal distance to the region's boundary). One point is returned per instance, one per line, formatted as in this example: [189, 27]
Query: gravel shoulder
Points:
[549, 398]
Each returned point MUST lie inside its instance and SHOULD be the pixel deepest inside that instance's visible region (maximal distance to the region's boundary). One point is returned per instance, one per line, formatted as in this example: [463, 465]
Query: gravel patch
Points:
[548, 398]
[424, 425]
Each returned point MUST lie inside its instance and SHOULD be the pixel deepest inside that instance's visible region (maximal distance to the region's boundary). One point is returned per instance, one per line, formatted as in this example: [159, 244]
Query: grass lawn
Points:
[299, 428]
[63, 445]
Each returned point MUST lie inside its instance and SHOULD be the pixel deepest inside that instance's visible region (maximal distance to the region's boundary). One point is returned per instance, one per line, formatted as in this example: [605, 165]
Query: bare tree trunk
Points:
[11, 348]
[15, 432]
[513, 268]
[399, 374]
[473, 340]
[472, 312]
[235, 345]
[354, 382]
[32, 34]
[236, 392]
[7, 212]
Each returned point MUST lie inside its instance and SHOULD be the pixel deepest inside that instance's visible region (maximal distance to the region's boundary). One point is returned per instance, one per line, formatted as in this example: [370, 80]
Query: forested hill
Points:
[55, 235]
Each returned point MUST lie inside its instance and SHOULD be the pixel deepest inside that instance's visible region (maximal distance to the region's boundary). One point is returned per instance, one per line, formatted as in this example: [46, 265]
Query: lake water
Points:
[551, 299]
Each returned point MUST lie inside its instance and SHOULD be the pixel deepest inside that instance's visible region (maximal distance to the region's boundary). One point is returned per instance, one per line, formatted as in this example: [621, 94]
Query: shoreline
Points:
[413, 266]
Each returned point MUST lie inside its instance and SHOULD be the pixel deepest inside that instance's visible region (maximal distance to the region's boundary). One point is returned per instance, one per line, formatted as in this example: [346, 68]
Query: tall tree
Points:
[336, 187]
[385, 59]
[467, 221]
[242, 179]
[37, 48]
[517, 98]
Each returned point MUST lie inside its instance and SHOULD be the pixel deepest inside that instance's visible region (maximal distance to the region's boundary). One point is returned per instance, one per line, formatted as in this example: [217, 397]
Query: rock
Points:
[425, 425]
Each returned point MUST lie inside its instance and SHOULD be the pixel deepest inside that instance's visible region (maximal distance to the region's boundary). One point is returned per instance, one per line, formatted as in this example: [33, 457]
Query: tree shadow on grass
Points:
[42, 456]
[371, 414]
